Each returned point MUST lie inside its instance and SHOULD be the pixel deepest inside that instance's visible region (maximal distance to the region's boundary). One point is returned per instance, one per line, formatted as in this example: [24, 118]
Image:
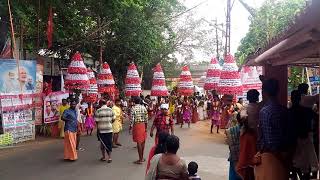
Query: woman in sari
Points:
[158, 148]
[186, 112]
[168, 165]
[89, 121]
[216, 113]
[195, 114]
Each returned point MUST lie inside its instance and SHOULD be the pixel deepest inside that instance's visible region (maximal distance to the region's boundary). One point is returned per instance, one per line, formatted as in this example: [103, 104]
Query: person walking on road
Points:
[117, 124]
[62, 108]
[138, 123]
[104, 118]
[70, 116]
[163, 122]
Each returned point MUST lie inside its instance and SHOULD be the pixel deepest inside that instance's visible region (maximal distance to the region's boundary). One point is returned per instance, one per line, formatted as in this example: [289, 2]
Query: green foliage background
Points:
[273, 17]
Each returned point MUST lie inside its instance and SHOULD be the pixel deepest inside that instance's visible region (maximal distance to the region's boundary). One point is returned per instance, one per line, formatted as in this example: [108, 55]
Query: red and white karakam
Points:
[230, 81]
[159, 87]
[77, 81]
[132, 81]
[77, 67]
[106, 71]
[250, 78]
[106, 83]
[213, 75]
[185, 85]
[77, 77]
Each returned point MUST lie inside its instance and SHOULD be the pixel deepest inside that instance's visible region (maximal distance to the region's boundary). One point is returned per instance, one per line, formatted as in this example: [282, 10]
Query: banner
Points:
[13, 82]
[314, 80]
[19, 122]
[39, 88]
[51, 106]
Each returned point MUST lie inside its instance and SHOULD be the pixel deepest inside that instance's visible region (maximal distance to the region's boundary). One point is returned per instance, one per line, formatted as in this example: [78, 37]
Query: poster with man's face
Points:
[14, 80]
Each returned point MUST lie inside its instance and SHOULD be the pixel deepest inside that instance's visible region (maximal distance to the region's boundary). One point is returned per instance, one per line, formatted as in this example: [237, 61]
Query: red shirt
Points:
[163, 122]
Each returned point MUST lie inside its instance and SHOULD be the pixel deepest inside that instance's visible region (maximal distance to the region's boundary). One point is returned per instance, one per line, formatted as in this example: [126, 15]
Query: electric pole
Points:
[251, 10]
[218, 27]
[228, 27]
[217, 38]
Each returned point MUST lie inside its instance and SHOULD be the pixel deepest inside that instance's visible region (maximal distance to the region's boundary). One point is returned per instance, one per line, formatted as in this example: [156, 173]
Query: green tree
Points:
[270, 20]
[127, 30]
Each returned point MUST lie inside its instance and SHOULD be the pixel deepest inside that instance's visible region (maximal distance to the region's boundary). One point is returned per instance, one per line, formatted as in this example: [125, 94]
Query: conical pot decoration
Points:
[132, 81]
[230, 81]
[92, 93]
[105, 81]
[213, 75]
[250, 78]
[159, 87]
[77, 78]
[185, 86]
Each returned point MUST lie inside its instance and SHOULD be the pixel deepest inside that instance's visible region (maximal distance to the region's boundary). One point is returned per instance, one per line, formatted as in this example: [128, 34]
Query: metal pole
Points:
[217, 38]
[228, 24]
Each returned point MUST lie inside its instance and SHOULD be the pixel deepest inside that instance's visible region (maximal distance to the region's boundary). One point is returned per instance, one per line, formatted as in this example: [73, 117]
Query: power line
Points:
[190, 9]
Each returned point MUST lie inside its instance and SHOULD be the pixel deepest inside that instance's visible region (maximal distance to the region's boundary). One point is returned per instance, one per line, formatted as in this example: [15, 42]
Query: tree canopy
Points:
[270, 20]
[128, 30]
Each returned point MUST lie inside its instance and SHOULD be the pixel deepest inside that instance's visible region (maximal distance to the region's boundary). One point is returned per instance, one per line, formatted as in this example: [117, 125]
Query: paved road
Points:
[43, 159]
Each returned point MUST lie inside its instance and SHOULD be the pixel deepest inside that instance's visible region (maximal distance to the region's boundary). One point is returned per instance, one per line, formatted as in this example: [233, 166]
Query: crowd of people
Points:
[266, 140]
[108, 116]
[271, 141]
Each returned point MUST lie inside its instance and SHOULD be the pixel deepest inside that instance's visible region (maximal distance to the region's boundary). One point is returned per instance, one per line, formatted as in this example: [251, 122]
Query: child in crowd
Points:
[193, 169]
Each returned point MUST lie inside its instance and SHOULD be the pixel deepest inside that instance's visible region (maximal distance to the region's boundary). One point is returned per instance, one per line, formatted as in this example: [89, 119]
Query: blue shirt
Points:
[71, 122]
[273, 128]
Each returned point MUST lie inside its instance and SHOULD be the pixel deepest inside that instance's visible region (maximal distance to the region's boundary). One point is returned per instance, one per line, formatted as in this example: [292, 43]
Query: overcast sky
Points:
[213, 9]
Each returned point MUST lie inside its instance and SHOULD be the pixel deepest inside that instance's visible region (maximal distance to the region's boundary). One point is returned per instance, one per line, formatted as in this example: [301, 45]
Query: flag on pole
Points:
[50, 28]
[6, 52]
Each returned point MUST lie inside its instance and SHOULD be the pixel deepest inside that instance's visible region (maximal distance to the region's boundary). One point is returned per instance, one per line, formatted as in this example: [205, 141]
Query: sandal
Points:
[137, 162]
[109, 160]
[103, 159]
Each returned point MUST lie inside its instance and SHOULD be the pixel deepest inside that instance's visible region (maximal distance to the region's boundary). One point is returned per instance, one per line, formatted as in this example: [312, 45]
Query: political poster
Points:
[39, 87]
[17, 118]
[15, 80]
[51, 106]
[314, 80]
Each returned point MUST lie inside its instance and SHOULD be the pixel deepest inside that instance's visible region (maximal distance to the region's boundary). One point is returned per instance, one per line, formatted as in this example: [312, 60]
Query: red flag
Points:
[6, 52]
[50, 28]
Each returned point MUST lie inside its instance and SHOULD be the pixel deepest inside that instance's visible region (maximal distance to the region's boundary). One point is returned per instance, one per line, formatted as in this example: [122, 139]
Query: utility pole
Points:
[217, 28]
[228, 27]
[217, 38]
[251, 10]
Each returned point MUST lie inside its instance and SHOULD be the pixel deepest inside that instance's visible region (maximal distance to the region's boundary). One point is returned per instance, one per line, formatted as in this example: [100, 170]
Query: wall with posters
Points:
[17, 93]
[18, 117]
[51, 106]
[14, 81]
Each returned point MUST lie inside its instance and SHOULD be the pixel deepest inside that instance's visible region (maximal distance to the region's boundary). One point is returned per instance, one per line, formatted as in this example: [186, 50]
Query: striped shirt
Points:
[139, 114]
[104, 118]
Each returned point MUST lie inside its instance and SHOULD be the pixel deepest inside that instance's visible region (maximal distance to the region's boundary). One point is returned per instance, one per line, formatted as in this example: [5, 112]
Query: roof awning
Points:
[299, 45]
